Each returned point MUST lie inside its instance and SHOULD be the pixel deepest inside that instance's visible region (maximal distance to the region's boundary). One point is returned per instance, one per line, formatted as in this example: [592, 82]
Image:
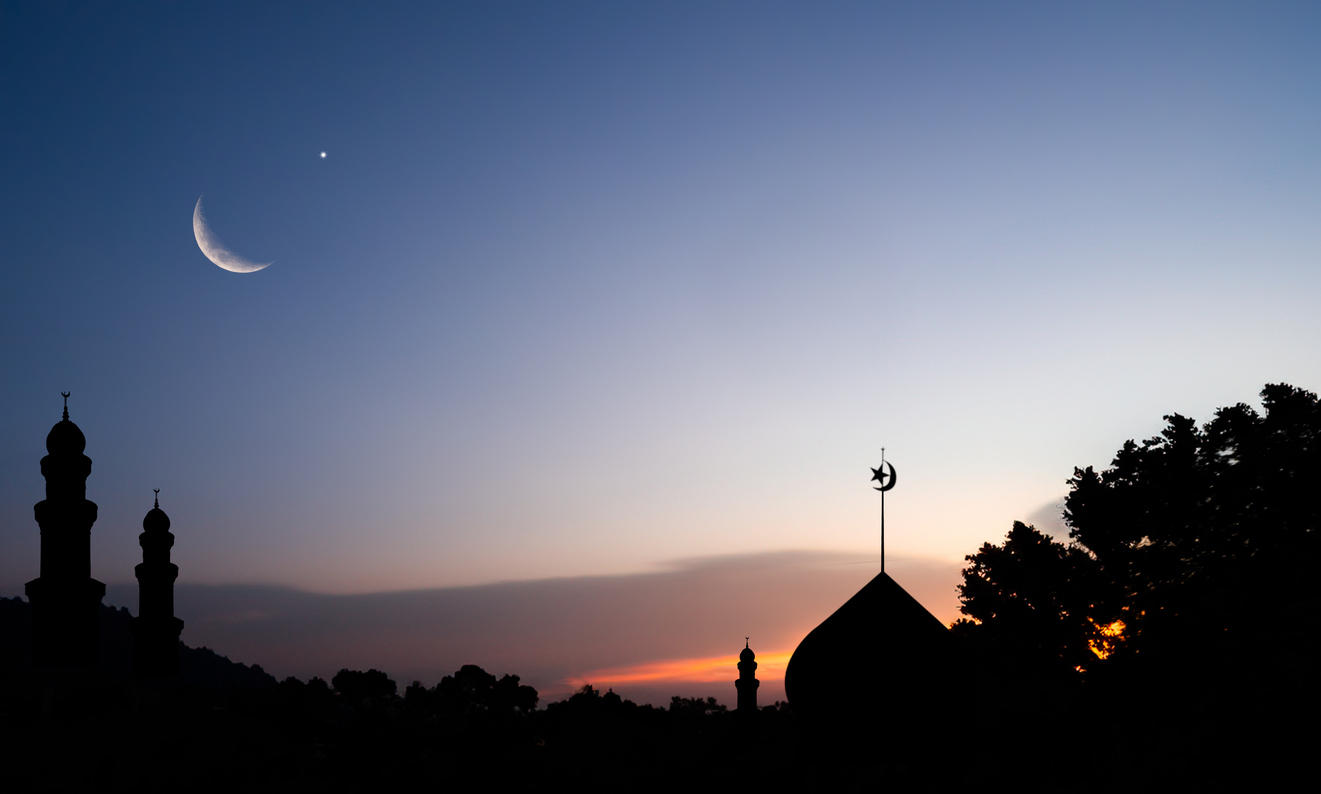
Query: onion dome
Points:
[880, 668]
[746, 655]
[65, 438]
[156, 520]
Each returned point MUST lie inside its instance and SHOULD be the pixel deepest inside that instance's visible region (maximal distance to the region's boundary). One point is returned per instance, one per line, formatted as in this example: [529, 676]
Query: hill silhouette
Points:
[198, 667]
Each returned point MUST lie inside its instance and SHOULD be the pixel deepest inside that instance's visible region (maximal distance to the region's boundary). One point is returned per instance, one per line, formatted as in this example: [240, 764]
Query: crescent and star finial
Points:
[887, 481]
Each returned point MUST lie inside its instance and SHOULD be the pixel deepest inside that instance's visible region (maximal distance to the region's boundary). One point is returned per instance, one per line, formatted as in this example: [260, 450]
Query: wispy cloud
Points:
[674, 631]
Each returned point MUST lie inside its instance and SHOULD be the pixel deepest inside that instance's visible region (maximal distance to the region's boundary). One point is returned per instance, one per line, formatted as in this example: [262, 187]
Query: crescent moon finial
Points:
[65, 395]
[158, 496]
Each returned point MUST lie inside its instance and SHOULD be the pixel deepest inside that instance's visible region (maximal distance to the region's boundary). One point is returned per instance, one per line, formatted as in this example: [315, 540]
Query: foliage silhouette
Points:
[1194, 549]
[1033, 603]
[1185, 606]
[1208, 537]
[472, 689]
[696, 706]
[360, 687]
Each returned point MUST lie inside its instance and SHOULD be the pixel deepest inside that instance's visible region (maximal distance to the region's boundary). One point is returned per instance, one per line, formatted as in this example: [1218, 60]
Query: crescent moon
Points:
[893, 477]
[216, 250]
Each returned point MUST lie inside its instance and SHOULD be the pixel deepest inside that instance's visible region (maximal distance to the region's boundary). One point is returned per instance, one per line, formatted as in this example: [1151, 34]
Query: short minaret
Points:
[156, 630]
[65, 598]
[747, 682]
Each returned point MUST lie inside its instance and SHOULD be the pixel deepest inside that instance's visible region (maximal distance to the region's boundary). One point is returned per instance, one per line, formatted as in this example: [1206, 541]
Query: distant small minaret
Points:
[156, 630]
[747, 682]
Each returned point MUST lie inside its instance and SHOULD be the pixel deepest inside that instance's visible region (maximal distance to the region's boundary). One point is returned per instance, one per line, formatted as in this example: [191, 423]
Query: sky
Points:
[589, 294]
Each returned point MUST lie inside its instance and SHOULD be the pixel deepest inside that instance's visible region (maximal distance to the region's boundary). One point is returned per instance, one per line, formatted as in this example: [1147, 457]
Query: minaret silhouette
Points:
[65, 598]
[156, 630]
[747, 682]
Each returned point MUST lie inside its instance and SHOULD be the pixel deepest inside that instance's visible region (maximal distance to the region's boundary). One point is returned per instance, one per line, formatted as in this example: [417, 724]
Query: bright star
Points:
[323, 155]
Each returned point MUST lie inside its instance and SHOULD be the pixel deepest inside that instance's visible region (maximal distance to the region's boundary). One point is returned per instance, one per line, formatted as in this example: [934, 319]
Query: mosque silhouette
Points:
[877, 670]
[879, 693]
[66, 599]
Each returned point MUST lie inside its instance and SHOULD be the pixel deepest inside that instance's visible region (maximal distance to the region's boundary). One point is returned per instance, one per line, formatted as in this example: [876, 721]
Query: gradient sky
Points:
[584, 289]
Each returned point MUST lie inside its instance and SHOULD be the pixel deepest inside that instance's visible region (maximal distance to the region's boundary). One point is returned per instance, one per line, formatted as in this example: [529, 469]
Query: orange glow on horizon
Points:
[704, 670]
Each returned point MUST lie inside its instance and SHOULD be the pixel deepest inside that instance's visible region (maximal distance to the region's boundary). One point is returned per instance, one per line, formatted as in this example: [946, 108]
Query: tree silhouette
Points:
[696, 706]
[472, 689]
[1208, 535]
[356, 685]
[1185, 604]
[1034, 605]
[1198, 543]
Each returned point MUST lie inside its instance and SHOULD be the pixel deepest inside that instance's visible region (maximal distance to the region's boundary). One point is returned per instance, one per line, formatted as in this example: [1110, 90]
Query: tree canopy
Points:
[1195, 545]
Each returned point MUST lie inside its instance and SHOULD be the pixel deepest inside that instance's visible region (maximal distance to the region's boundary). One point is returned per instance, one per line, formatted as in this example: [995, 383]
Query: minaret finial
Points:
[886, 483]
[65, 394]
[745, 641]
[158, 496]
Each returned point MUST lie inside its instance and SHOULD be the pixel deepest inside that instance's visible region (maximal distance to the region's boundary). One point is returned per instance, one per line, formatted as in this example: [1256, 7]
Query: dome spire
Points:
[158, 497]
[65, 395]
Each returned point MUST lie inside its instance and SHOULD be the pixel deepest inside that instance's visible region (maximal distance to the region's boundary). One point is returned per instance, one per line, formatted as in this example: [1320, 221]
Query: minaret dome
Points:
[65, 438]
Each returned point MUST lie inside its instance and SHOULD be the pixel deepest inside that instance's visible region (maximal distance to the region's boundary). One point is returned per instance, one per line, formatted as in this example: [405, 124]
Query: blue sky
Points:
[582, 289]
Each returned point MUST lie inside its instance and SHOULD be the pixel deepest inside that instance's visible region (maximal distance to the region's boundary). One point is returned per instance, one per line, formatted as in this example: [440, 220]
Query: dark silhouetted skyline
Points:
[579, 290]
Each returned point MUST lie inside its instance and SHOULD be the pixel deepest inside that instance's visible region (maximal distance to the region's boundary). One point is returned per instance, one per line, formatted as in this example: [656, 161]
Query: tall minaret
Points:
[156, 630]
[747, 682]
[65, 598]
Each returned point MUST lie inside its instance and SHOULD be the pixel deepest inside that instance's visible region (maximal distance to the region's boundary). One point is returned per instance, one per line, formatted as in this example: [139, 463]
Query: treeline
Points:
[223, 726]
[357, 732]
[472, 723]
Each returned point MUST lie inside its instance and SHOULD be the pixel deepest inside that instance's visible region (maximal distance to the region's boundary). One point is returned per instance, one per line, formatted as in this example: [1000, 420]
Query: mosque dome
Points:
[746, 655]
[880, 667]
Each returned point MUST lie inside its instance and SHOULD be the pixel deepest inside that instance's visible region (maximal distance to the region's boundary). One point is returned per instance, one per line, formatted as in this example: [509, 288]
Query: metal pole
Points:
[882, 512]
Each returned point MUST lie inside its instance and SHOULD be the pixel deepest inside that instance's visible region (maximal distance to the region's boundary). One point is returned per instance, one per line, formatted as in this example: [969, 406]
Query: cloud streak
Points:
[647, 635]
[710, 669]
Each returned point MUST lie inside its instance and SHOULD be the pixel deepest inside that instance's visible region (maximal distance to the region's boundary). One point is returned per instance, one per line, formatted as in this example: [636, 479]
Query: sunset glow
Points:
[706, 669]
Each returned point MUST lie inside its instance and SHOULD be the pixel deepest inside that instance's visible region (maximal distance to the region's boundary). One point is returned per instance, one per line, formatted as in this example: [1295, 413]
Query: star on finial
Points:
[65, 394]
[877, 475]
[158, 497]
